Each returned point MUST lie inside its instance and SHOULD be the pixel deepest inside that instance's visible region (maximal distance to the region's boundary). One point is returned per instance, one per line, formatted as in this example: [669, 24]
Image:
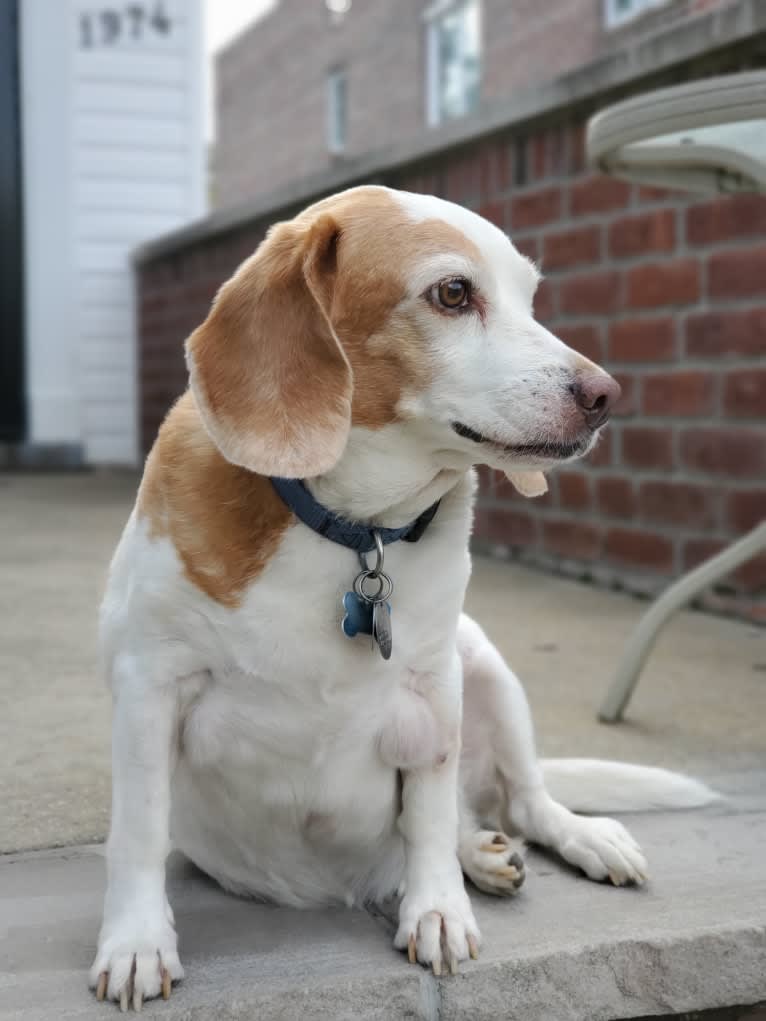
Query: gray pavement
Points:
[694, 938]
[565, 949]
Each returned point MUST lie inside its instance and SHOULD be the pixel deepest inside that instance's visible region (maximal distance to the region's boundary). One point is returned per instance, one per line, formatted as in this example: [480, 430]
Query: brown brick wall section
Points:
[649, 283]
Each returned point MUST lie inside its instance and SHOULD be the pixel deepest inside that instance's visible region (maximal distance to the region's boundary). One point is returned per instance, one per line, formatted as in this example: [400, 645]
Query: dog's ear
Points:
[528, 483]
[271, 381]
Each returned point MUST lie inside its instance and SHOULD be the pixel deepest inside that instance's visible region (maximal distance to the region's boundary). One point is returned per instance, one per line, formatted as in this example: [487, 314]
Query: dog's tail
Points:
[595, 786]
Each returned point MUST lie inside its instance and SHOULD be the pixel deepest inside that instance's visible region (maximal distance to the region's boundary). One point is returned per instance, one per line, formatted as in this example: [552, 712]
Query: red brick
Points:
[528, 246]
[679, 503]
[511, 527]
[577, 148]
[644, 447]
[480, 515]
[545, 300]
[749, 578]
[493, 170]
[485, 478]
[591, 293]
[615, 497]
[499, 158]
[745, 509]
[571, 248]
[744, 394]
[649, 232]
[602, 453]
[533, 208]
[642, 340]
[574, 490]
[573, 539]
[585, 338]
[639, 549]
[597, 195]
[737, 273]
[539, 155]
[495, 212]
[729, 333]
[735, 216]
[736, 453]
[697, 551]
[650, 193]
[557, 151]
[628, 402]
[462, 178]
[675, 282]
[679, 393]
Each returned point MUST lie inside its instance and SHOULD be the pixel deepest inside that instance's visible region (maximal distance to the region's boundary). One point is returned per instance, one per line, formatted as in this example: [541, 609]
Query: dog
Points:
[298, 699]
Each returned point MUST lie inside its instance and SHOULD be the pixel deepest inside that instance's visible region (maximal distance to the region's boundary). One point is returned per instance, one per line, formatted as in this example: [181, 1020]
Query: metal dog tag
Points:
[381, 627]
[368, 611]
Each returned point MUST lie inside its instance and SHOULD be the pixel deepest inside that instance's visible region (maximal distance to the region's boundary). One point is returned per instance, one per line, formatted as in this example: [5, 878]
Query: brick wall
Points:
[271, 81]
[667, 292]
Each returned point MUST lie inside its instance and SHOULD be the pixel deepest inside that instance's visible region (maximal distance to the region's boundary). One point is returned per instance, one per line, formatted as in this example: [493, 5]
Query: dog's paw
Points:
[439, 931]
[136, 961]
[603, 849]
[493, 862]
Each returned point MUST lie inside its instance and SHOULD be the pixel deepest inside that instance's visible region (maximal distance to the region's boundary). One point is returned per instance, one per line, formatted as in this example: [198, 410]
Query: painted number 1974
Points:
[133, 22]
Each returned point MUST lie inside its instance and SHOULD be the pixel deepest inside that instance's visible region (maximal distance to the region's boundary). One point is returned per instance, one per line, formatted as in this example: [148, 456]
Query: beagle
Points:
[299, 703]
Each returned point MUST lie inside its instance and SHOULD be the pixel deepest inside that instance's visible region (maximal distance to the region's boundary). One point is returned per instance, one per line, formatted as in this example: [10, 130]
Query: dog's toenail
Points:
[516, 860]
[498, 839]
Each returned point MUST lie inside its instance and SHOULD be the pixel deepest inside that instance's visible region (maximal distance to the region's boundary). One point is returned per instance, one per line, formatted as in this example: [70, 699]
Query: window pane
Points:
[337, 100]
[459, 60]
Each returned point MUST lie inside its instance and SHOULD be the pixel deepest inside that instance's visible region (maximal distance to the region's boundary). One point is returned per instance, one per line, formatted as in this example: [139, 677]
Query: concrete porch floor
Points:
[694, 938]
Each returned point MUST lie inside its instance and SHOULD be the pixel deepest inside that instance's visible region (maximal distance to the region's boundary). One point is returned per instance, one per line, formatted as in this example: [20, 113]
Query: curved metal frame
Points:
[678, 595]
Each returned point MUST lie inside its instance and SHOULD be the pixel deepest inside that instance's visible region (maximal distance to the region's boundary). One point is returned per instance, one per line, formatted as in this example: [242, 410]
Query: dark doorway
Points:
[12, 402]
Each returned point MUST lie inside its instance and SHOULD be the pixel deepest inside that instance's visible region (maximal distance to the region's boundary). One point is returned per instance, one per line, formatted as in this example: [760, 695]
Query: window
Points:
[453, 59]
[617, 12]
[337, 102]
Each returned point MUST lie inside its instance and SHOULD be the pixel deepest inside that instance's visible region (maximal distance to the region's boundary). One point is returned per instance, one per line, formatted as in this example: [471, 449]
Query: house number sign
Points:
[135, 22]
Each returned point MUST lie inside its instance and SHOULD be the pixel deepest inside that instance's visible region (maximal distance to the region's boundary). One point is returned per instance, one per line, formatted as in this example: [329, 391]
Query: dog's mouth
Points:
[547, 450]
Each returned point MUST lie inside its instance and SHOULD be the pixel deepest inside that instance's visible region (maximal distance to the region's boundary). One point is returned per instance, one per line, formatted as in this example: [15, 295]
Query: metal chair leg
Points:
[679, 593]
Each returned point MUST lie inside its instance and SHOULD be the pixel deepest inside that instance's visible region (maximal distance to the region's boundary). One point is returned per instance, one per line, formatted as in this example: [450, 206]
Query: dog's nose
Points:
[596, 395]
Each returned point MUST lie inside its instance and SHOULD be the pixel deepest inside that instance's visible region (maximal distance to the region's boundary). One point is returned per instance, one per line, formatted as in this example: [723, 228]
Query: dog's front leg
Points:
[137, 956]
[436, 922]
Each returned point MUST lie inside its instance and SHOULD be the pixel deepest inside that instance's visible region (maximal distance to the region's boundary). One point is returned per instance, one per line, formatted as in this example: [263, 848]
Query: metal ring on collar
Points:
[385, 586]
[376, 570]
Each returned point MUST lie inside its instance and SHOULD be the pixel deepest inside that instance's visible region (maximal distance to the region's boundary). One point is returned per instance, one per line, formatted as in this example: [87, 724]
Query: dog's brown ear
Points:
[528, 483]
[271, 381]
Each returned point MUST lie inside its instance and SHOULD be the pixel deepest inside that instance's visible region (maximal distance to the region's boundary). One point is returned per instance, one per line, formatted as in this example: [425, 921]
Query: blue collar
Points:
[331, 526]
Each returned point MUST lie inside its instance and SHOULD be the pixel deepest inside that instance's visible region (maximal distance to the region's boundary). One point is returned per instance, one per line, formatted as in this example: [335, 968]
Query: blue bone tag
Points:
[358, 619]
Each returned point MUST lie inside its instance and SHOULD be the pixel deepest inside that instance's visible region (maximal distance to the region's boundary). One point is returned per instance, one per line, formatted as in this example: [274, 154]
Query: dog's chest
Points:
[291, 690]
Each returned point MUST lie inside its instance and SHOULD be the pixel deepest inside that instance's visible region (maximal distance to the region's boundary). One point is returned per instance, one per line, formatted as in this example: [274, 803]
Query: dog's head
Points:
[376, 307]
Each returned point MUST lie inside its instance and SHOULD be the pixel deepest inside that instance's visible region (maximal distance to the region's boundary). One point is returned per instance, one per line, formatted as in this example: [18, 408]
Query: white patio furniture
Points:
[707, 136]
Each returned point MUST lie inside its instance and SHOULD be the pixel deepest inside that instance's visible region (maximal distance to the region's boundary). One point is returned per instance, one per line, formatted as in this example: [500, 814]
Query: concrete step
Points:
[565, 949]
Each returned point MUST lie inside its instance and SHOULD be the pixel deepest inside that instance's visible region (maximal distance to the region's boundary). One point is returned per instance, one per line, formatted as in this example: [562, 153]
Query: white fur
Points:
[270, 747]
[590, 785]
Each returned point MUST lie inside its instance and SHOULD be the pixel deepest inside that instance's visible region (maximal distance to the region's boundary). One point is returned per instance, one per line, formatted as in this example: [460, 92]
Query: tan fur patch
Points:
[379, 246]
[272, 384]
[224, 521]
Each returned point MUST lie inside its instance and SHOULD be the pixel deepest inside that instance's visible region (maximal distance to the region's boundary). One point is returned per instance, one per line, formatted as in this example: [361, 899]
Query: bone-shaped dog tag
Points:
[381, 627]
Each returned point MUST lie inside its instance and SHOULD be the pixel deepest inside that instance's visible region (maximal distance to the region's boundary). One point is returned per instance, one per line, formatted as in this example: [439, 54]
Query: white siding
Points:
[125, 97]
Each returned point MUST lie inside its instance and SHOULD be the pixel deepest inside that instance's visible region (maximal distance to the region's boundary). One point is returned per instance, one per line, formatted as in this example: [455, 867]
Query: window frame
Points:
[432, 16]
[616, 19]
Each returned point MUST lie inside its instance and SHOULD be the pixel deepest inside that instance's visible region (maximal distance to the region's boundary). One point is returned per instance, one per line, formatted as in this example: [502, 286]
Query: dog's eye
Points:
[452, 294]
